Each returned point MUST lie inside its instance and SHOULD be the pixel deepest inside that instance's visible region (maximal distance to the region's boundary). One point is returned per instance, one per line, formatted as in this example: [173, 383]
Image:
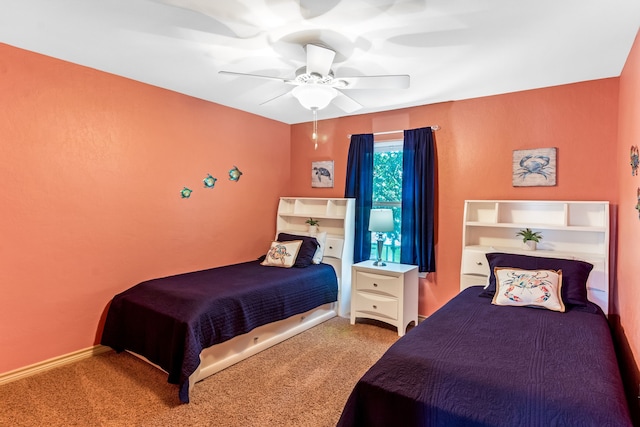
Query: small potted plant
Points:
[530, 238]
[313, 225]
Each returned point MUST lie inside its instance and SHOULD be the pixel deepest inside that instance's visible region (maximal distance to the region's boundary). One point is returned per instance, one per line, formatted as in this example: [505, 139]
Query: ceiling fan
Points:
[315, 85]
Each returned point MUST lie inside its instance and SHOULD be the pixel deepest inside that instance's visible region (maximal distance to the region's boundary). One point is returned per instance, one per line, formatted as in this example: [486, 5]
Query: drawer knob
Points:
[330, 247]
[478, 263]
[375, 285]
[375, 307]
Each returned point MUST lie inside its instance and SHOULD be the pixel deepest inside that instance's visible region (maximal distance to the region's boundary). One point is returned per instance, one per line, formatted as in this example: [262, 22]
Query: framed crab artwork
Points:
[534, 168]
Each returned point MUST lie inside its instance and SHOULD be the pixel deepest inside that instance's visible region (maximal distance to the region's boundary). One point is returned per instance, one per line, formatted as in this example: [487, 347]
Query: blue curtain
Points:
[359, 185]
[418, 190]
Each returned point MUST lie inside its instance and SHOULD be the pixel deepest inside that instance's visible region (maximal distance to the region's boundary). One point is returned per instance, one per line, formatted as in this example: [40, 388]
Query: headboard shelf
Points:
[538, 212]
[570, 229]
[314, 206]
[533, 225]
[309, 214]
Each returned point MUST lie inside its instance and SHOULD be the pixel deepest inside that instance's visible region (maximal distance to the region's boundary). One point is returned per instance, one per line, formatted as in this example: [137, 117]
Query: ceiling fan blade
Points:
[345, 103]
[319, 59]
[276, 97]
[401, 81]
[259, 76]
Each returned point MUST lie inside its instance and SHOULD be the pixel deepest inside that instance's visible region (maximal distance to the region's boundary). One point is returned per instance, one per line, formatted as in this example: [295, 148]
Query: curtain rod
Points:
[434, 127]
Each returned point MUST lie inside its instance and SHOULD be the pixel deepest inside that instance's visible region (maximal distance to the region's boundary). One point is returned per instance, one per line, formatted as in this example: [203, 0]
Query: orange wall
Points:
[474, 154]
[91, 169]
[628, 271]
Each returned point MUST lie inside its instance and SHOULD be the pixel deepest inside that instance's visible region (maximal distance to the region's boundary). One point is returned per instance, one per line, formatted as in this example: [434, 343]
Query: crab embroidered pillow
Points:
[282, 254]
[528, 288]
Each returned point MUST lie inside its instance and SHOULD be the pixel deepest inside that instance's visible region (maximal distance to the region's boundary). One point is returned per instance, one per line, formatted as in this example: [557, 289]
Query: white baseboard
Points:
[46, 365]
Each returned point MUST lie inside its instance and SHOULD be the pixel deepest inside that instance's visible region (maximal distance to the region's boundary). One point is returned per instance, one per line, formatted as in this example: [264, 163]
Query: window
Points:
[417, 198]
[387, 194]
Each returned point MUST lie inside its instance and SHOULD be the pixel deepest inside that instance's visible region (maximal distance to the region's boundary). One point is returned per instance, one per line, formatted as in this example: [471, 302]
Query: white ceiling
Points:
[452, 49]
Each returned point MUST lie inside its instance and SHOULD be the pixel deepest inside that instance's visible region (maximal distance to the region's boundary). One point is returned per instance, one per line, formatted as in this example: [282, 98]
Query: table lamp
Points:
[381, 221]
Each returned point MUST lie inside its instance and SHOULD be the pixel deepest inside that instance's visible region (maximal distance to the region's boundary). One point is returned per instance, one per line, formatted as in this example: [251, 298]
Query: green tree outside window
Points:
[387, 193]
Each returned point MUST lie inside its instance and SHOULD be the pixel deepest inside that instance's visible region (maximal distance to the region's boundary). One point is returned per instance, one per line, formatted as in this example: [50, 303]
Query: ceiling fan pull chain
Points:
[314, 135]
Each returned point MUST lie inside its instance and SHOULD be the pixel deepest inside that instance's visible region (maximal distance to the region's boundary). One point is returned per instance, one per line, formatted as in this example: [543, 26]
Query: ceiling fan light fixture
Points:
[314, 96]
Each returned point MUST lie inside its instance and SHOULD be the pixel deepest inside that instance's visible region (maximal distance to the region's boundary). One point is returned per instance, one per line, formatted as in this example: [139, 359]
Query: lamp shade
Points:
[381, 220]
[314, 96]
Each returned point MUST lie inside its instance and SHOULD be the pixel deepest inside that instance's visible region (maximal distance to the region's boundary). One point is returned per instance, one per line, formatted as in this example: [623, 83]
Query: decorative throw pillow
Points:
[307, 249]
[322, 241]
[537, 288]
[282, 254]
[575, 274]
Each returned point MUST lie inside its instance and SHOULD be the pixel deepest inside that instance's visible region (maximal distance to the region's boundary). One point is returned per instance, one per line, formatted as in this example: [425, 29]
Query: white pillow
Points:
[538, 288]
[282, 254]
[322, 240]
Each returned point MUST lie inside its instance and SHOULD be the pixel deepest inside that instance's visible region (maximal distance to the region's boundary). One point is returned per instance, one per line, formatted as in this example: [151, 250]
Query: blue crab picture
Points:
[186, 193]
[234, 174]
[209, 181]
[534, 167]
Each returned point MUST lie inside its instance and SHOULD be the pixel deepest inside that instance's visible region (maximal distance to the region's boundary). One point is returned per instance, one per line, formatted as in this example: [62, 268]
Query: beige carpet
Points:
[303, 381]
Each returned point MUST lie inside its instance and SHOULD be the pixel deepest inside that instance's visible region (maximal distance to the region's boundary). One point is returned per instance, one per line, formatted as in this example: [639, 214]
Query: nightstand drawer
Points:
[376, 305]
[379, 283]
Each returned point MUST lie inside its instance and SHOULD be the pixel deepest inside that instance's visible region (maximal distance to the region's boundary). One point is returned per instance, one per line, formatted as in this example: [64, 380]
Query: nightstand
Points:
[388, 294]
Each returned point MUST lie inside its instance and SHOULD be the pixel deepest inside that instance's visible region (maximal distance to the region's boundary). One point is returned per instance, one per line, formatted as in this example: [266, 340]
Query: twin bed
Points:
[195, 324]
[525, 343]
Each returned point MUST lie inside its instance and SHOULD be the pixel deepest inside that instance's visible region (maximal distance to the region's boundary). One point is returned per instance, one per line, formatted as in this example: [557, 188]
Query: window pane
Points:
[387, 194]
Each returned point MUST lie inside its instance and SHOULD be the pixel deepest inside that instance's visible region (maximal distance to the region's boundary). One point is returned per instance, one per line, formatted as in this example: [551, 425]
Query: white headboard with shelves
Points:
[570, 229]
[336, 217]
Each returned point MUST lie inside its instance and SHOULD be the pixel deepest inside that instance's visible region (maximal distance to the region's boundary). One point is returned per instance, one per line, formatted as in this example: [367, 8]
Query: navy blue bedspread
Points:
[170, 320]
[476, 364]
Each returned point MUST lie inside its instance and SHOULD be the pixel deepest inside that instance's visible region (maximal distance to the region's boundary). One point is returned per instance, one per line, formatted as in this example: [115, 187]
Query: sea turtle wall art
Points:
[322, 174]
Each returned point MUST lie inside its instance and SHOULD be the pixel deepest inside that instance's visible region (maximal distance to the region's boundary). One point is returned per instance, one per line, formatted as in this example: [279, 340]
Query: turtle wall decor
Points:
[209, 181]
[234, 174]
[186, 192]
